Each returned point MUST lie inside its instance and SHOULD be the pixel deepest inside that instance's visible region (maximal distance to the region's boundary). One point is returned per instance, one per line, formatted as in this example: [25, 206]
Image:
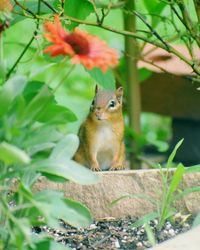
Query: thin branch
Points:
[30, 41]
[49, 6]
[25, 9]
[154, 32]
[95, 11]
[169, 48]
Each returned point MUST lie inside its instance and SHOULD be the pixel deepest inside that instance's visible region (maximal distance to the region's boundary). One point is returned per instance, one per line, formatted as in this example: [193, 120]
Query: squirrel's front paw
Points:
[117, 167]
[95, 168]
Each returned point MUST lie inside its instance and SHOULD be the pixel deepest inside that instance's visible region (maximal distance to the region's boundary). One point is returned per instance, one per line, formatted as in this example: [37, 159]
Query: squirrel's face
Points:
[106, 104]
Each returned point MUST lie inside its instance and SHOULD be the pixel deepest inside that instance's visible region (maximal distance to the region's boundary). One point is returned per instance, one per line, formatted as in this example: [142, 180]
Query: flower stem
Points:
[28, 44]
[64, 78]
[20, 57]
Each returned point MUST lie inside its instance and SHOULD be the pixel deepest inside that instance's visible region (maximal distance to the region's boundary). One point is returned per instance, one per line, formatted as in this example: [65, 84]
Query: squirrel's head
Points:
[106, 105]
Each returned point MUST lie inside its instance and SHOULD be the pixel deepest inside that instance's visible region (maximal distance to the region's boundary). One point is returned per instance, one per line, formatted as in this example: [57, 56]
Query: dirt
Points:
[111, 233]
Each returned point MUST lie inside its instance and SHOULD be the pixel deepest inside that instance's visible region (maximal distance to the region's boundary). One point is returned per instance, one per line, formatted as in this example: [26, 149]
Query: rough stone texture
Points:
[186, 241]
[113, 185]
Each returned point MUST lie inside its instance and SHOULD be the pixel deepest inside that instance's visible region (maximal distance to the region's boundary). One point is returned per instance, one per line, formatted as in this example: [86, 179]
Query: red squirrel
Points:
[101, 134]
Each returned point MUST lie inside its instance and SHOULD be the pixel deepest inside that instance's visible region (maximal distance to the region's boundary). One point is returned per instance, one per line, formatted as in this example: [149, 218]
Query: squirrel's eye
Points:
[112, 104]
[92, 104]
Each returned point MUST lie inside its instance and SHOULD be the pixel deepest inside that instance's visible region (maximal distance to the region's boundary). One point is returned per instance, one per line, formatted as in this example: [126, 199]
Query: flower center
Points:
[78, 43]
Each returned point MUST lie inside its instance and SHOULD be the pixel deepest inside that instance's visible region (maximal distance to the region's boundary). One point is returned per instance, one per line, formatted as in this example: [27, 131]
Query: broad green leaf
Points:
[41, 147]
[40, 136]
[67, 169]
[65, 148]
[79, 9]
[172, 155]
[145, 219]
[10, 154]
[196, 221]
[56, 114]
[68, 210]
[105, 80]
[9, 91]
[76, 214]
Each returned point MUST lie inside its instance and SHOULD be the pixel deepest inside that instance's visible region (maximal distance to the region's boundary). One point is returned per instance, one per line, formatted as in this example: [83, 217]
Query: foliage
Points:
[39, 105]
[168, 195]
[32, 146]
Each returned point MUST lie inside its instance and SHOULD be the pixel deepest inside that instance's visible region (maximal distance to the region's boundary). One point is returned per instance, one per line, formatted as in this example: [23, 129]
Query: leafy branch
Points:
[162, 44]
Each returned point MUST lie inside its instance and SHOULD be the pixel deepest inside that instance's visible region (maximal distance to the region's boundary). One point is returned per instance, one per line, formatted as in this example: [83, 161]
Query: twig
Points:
[30, 41]
[20, 57]
[49, 6]
[154, 32]
[170, 49]
[95, 11]
[26, 9]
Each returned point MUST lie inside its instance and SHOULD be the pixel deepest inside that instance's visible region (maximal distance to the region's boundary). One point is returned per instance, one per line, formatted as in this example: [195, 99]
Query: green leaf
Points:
[40, 136]
[10, 154]
[50, 244]
[188, 191]
[193, 169]
[38, 103]
[145, 219]
[67, 169]
[106, 80]
[66, 147]
[176, 179]
[56, 114]
[70, 211]
[144, 74]
[76, 214]
[9, 91]
[196, 221]
[150, 234]
[155, 8]
[32, 5]
[79, 9]
[172, 155]
[136, 196]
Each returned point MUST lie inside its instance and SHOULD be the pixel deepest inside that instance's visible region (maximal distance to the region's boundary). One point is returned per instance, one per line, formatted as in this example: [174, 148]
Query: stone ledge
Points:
[113, 185]
[186, 241]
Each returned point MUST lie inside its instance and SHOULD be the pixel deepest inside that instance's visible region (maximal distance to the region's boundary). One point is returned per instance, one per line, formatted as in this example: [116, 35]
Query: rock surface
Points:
[187, 241]
[113, 185]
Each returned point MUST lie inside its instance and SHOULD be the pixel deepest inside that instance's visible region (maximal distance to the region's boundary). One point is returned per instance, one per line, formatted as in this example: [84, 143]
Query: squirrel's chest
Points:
[105, 146]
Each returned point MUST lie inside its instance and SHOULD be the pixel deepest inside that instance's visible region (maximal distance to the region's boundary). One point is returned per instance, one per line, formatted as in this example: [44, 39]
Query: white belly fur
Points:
[105, 146]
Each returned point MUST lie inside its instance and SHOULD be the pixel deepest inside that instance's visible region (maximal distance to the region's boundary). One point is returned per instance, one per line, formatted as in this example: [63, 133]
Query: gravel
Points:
[112, 233]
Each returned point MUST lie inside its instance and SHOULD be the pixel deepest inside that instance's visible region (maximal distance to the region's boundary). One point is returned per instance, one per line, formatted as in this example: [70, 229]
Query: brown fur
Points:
[101, 134]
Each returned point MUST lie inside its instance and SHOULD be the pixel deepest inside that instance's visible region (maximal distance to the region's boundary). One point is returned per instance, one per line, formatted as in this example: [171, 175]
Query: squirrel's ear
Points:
[119, 94]
[96, 88]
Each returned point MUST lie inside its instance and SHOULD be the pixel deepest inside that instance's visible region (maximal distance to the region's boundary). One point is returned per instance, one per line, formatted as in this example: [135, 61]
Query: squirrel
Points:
[101, 134]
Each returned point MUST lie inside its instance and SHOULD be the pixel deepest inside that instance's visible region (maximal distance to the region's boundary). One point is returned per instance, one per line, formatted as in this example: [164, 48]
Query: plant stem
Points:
[125, 33]
[197, 8]
[132, 80]
[28, 44]
[20, 57]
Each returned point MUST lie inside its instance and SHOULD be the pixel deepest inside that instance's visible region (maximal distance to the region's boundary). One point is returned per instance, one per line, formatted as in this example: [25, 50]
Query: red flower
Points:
[80, 46]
